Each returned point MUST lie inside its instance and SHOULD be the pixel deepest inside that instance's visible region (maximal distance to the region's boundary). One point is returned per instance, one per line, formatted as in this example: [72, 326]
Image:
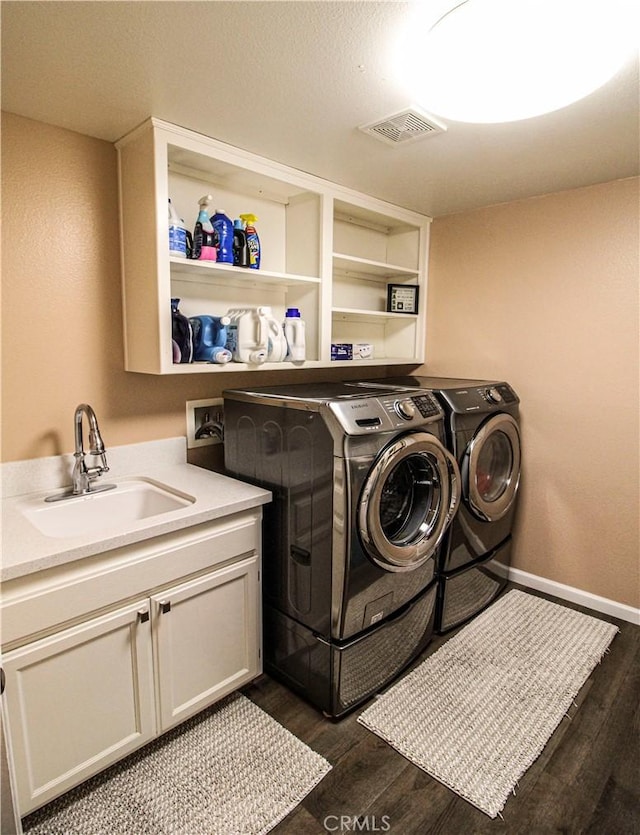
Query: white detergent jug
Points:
[247, 335]
[277, 348]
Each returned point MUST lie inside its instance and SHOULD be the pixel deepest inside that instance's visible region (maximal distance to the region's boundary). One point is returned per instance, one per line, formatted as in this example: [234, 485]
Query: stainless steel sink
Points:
[133, 500]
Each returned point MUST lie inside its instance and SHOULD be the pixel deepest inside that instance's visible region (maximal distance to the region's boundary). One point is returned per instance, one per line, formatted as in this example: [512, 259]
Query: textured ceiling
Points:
[293, 81]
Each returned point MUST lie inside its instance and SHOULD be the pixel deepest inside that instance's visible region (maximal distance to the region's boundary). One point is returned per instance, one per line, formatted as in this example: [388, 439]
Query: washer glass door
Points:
[408, 499]
[491, 468]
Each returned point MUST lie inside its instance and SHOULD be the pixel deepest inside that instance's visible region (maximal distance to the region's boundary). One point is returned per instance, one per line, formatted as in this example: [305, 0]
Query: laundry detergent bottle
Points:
[180, 241]
[277, 342]
[294, 331]
[224, 229]
[240, 249]
[247, 335]
[204, 236]
[253, 241]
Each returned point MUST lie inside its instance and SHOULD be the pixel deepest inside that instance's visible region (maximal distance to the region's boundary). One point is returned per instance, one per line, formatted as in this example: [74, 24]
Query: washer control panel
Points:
[398, 410]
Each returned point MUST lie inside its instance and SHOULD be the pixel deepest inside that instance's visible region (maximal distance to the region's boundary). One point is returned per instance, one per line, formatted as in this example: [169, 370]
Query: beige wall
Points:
[61, 305]
[541, 292]
[544, 293]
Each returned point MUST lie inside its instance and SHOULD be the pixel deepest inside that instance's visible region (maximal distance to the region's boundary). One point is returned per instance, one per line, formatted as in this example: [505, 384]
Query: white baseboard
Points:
[582, 598]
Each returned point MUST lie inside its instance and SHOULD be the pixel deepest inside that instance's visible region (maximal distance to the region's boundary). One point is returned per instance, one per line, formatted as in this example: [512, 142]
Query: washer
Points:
[364, 491]
[483, 433]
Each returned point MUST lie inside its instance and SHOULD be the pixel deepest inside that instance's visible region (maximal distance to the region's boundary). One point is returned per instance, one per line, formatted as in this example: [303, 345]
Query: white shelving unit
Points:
[326, 250]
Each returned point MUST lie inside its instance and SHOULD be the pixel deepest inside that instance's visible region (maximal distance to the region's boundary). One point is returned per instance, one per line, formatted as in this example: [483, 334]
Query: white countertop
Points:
[26, 550]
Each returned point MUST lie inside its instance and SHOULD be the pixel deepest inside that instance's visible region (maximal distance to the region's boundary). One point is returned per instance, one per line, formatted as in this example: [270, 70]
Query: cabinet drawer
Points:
[40, 603]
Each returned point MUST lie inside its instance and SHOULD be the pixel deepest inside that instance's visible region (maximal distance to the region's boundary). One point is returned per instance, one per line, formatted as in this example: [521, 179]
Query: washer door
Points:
[407, 502]
[491, 468]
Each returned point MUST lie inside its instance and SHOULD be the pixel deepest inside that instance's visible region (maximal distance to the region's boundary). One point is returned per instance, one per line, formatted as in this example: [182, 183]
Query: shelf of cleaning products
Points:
[210, 270]
[364, 268]
[326, 250]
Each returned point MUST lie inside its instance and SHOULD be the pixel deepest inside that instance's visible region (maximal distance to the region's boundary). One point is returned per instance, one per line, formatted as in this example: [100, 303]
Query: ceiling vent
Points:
[404, 127]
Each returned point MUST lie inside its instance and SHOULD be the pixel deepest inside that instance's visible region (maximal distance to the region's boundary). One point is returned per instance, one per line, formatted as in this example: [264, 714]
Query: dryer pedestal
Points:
[466, 592]
[337, 676]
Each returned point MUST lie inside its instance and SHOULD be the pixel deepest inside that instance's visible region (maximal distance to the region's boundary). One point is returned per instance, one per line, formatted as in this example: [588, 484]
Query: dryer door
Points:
[407, 502]
[491, 468]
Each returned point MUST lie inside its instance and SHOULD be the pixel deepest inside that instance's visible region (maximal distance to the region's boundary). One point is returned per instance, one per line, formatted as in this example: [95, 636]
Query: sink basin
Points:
[131, 501]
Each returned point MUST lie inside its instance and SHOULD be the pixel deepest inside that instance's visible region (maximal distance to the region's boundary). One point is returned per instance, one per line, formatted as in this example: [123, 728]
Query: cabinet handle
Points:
[165, 606]
[143, 616]
[2, 681]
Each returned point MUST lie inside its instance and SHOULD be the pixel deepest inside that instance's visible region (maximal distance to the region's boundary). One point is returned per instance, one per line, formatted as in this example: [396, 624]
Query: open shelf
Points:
[326, 250]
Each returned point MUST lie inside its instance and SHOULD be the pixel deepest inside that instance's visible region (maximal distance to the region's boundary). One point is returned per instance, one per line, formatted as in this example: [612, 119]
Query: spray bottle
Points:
[253, 241]
[204, 236]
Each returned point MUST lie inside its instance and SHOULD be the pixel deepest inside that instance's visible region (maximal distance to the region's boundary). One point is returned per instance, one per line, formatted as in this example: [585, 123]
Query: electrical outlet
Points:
[205, 422]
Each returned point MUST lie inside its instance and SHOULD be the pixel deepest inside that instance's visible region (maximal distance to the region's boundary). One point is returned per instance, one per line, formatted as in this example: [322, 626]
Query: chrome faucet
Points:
[83, 476]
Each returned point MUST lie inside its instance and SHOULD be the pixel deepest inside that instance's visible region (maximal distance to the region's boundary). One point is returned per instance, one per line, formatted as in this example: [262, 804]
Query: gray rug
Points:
[231, 770]
[478, 712]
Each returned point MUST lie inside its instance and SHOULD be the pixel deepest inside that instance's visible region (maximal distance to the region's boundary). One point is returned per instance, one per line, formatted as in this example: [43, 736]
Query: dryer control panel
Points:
[400, 410]
[487, 398]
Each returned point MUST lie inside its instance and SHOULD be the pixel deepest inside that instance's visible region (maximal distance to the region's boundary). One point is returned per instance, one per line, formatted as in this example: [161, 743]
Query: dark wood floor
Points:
[585, 781]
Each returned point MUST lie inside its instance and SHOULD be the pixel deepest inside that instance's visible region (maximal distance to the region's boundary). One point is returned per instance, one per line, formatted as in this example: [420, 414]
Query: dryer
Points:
[364, 491]
[483, 433]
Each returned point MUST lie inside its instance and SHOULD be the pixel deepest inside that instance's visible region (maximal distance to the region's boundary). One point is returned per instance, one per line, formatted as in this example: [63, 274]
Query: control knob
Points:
[405, 409]
[493, 395]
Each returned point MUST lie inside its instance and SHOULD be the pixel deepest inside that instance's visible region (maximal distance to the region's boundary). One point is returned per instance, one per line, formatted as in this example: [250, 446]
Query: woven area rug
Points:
[231, 770]
[478, 712]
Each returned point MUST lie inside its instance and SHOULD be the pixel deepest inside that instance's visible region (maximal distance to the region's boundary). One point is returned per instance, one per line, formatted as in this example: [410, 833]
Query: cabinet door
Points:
[79, 700]
[206, 636]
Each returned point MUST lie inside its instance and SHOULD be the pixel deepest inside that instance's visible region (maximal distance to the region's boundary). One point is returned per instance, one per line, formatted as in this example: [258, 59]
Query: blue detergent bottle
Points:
[224, 228]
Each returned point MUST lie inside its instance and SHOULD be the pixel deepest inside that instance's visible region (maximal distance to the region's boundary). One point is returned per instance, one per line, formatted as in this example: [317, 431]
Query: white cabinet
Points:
[326, 250]
[105, 654]
[79, 700]
[205, 640]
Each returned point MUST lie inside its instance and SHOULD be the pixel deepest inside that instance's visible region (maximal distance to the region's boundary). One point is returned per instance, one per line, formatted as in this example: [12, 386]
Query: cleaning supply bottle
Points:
[240, 249]
[253, 241]
[294, 331]
[277, 343]
[204, 236]
[224, 229]
[210, 338]
[179, 238]
[247, 335]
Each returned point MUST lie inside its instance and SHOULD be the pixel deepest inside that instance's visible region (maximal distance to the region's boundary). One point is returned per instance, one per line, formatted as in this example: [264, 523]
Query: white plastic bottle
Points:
[177, 234]
[247, 335]
[294, 331]
[277, 346]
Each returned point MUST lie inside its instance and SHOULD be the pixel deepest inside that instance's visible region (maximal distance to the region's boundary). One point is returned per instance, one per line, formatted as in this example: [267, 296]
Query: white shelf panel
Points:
[215, 368]
[346, 313]
[363, 267]
[199, 271]
[375, 361]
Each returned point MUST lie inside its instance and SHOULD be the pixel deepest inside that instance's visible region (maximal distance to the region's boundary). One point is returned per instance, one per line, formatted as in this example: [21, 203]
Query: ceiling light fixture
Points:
[506, 60]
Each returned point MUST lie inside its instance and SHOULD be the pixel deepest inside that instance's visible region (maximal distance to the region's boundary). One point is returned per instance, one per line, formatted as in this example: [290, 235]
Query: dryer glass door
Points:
[491, 468]
[407, 501]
